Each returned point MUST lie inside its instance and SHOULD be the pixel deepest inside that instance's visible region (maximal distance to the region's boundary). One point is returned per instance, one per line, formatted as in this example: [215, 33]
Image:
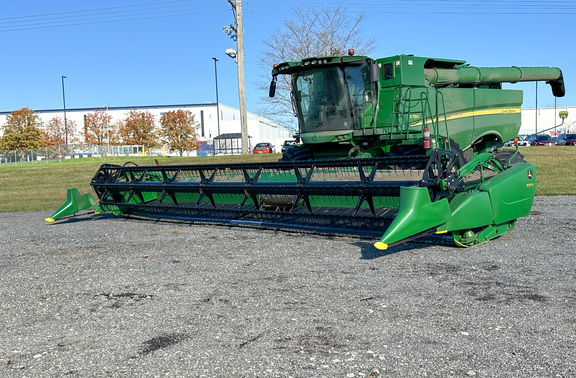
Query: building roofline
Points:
[91, 109]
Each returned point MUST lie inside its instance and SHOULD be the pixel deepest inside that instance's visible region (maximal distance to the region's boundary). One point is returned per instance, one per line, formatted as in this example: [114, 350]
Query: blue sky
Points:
[128, 52]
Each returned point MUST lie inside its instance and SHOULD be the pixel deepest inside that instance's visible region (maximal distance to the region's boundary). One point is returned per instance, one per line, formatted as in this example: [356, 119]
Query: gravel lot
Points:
[101, 296]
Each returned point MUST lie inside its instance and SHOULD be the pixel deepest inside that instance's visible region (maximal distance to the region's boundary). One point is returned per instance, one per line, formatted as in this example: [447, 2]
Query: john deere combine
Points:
[391, 148]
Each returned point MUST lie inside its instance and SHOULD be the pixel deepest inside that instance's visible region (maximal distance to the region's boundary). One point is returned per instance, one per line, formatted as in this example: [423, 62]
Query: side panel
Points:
[472, 113]
[497, 112]
[512, 192]
[469, 210]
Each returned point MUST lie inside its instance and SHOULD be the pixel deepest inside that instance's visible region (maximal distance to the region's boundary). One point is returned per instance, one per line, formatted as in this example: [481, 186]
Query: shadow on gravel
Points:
[369, 252]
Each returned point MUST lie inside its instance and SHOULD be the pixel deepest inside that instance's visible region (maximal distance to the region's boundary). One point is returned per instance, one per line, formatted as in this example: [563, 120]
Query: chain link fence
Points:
[76, 151]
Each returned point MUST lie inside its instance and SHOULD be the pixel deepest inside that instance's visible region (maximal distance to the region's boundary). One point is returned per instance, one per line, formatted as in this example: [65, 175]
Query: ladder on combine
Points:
[411, 114]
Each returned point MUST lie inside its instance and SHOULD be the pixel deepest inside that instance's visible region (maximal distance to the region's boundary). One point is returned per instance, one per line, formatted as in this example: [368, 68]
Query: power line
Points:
[505, 7]
[88, 10]
[177, 8]
[428, 3]
[107, 15]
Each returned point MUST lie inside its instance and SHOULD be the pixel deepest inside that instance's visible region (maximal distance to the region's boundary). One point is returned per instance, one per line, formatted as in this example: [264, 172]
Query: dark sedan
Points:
[540, 140]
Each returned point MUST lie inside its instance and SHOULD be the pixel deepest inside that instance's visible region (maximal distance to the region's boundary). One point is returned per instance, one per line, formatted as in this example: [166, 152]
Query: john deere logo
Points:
[530, 174]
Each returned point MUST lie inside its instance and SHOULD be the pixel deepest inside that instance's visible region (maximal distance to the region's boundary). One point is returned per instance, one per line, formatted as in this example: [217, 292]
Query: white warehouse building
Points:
[227, 130]
[547, 120]
[260, 129]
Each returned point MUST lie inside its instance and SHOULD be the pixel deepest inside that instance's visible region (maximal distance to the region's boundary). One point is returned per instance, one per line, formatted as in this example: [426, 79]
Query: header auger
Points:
[391, 149]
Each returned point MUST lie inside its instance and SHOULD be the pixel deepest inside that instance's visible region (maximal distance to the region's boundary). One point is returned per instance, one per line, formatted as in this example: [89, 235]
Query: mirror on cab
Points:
[272, 90]
[374, 73]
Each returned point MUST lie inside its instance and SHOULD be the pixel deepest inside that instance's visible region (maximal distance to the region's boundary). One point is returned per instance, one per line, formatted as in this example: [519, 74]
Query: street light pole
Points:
[217, 102]
[65, 123]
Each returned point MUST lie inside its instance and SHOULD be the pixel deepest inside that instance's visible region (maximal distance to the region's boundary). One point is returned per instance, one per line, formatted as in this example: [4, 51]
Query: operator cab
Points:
[332, 93]
[332, 98]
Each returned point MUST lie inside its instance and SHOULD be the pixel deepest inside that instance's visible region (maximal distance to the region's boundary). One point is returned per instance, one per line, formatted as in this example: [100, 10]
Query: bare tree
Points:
[311, 32]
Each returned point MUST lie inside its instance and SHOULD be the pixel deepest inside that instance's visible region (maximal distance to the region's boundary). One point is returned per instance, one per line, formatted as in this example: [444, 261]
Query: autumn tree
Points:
[98, 127]
[21, 131]
[54, 136]
[115, 137]
[54, 132]
[138, 128]
[179, 131]
[325, 31]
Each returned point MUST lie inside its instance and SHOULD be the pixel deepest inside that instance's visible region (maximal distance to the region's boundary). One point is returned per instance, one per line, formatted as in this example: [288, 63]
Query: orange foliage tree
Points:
[54, 132]
[138, 128]
[179, 131]
[21, 131]
[98, 128]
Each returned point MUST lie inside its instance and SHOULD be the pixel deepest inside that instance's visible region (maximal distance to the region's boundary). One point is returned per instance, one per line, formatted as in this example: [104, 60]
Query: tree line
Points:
[177, 129]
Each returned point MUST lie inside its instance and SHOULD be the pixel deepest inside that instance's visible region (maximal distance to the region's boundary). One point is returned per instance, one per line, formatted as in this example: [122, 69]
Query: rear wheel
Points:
[508, 157]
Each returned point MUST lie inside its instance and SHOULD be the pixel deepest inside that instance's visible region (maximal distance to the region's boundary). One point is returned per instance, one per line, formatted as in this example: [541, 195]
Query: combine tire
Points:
[509, 156]
[296, 154]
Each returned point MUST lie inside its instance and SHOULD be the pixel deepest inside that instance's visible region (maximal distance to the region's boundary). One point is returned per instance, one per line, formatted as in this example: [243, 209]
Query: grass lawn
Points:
[553, 168]
[31, 186]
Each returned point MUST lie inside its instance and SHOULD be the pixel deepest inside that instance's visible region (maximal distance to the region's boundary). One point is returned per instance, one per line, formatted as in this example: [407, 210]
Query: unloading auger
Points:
[391, 149]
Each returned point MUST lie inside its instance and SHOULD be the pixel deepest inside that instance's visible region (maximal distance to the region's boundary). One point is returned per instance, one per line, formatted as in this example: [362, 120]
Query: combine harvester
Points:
[392, 149]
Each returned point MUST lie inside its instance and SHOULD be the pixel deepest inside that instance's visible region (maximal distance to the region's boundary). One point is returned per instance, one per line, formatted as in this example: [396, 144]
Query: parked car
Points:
[521, 142]
[290, 143]
[566, 139]
[263, 148]
[540, 140]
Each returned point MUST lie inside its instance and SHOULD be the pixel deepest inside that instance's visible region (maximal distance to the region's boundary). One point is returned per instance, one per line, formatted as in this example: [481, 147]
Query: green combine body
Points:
[353, 105]
[391, 149]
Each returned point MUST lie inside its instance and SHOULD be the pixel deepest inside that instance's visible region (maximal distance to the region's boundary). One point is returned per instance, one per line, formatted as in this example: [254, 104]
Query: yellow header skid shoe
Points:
[381, 246]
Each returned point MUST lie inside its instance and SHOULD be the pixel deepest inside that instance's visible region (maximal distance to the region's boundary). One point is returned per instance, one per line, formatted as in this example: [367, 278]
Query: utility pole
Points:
[217, 101]
[237, 7]
[555, 132]
[536, 111]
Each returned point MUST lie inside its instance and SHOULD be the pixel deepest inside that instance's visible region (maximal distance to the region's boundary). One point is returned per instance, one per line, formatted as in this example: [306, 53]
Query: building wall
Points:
[539, 119]
[260, 129]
